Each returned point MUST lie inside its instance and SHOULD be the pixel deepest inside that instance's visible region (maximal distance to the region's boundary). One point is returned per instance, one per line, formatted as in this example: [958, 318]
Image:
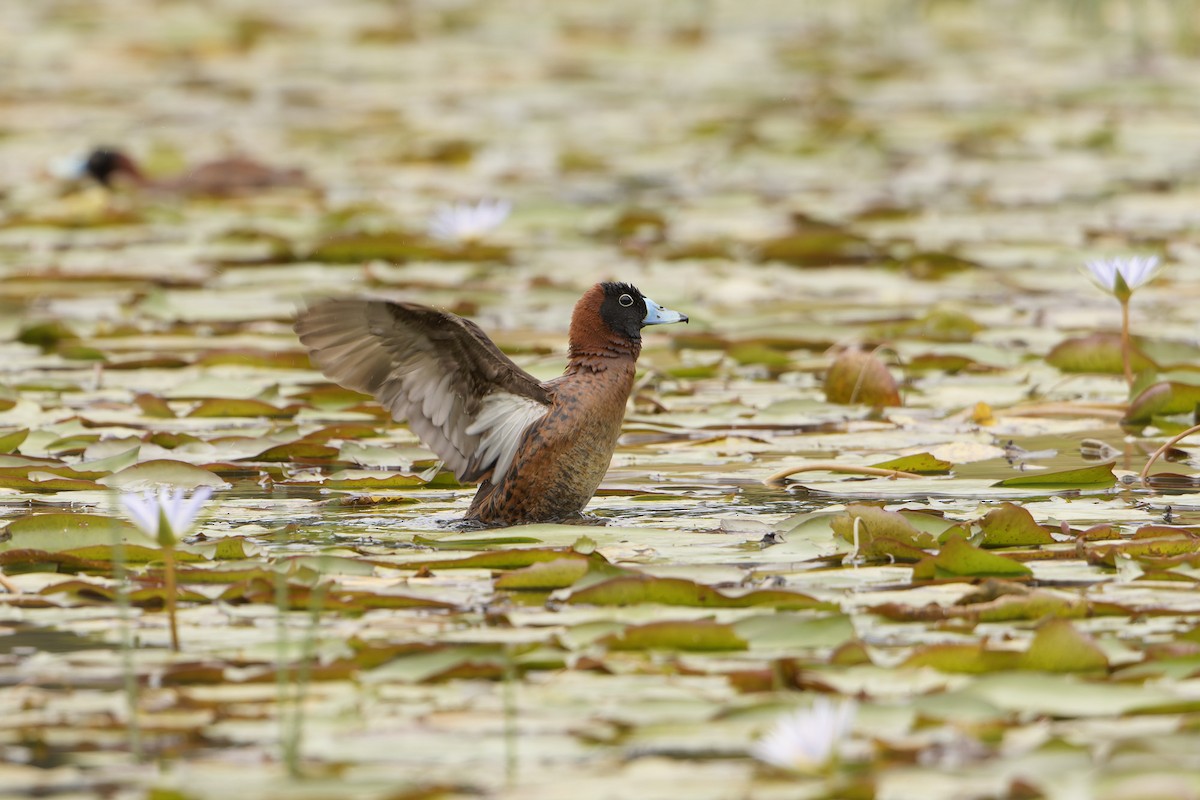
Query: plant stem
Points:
[283, 671]
[127, 669]
[509, 690]
[294, 740]
[1167, 445]
[169, 585]
[1126, 346]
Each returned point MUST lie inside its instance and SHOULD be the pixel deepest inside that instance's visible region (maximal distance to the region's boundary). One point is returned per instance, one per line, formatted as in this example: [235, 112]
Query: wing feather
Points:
[466, 400]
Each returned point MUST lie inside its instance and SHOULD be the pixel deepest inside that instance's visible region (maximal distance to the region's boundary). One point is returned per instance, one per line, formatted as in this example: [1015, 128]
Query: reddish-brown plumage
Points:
[540, 449]
[563, 456]
[592, 342]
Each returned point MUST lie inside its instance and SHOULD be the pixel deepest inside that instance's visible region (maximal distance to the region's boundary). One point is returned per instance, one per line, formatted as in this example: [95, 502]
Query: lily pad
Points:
[162, 472]
[1163, 399]
[627, 590]
[11, 440]
[1096, 353]
[860, 377]
[691, 635]
[1097, 476]
[1010, 525]
[957, 559]
[918, 463]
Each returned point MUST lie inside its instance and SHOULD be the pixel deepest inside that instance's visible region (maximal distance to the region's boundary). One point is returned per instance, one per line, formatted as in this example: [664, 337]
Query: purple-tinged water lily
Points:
[166, 515]
[1120, 277]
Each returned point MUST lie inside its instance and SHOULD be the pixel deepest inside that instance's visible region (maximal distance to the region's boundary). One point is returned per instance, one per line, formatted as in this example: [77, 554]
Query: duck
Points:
[539, 449]
[225, 177]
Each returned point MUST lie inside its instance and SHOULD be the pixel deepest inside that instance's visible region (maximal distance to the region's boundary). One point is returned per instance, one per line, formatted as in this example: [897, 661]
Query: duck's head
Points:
[105, 164]
[612, 313]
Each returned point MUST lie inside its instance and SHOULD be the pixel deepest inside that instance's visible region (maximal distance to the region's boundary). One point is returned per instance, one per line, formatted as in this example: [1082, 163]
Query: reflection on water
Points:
[20, 639]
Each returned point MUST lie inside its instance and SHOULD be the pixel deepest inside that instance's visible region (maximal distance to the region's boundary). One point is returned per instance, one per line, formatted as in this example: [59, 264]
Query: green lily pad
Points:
[626, 590]
[971, 658]
[1161, 400]
[240, 407]
[818, 248]
[39, 481]
[958, 558]
[882, 534]
[1059, 647]
[917, 463]
[154, 406]
[690, 635]
[1098, 476]
[497, 559]
[267, 359]
[1098, 353]
[11, 440]
[162, 472]
[60, 532]
[1010, 525]
[545, 575]
[299, 451]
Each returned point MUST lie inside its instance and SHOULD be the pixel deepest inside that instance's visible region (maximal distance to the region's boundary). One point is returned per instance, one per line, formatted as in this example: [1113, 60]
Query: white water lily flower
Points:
[166, 515]
[467, 222]
[807, 738]
[1120, 276]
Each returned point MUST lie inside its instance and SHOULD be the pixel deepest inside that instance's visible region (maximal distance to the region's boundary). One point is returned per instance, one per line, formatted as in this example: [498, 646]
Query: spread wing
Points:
[462, 397]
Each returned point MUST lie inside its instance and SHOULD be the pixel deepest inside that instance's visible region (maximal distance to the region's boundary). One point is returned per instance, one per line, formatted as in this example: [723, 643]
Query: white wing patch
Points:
[500, 424]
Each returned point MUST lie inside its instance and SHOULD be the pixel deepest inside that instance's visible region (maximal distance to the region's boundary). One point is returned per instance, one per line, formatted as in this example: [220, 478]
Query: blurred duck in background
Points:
[225, 177]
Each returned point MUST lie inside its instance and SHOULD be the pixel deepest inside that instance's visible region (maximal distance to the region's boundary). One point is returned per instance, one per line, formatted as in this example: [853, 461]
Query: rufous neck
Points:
[593, 343]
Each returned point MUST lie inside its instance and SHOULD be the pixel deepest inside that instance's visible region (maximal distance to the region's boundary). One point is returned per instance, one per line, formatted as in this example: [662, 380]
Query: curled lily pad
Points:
[859, 377]
[11, 440]
[1161, 400]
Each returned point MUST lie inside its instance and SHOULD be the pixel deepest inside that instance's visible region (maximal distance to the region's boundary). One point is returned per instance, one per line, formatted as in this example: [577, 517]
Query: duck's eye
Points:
[625, 300]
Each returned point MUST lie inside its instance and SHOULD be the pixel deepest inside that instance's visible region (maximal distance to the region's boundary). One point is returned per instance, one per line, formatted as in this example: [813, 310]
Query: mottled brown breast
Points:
[564, 457]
